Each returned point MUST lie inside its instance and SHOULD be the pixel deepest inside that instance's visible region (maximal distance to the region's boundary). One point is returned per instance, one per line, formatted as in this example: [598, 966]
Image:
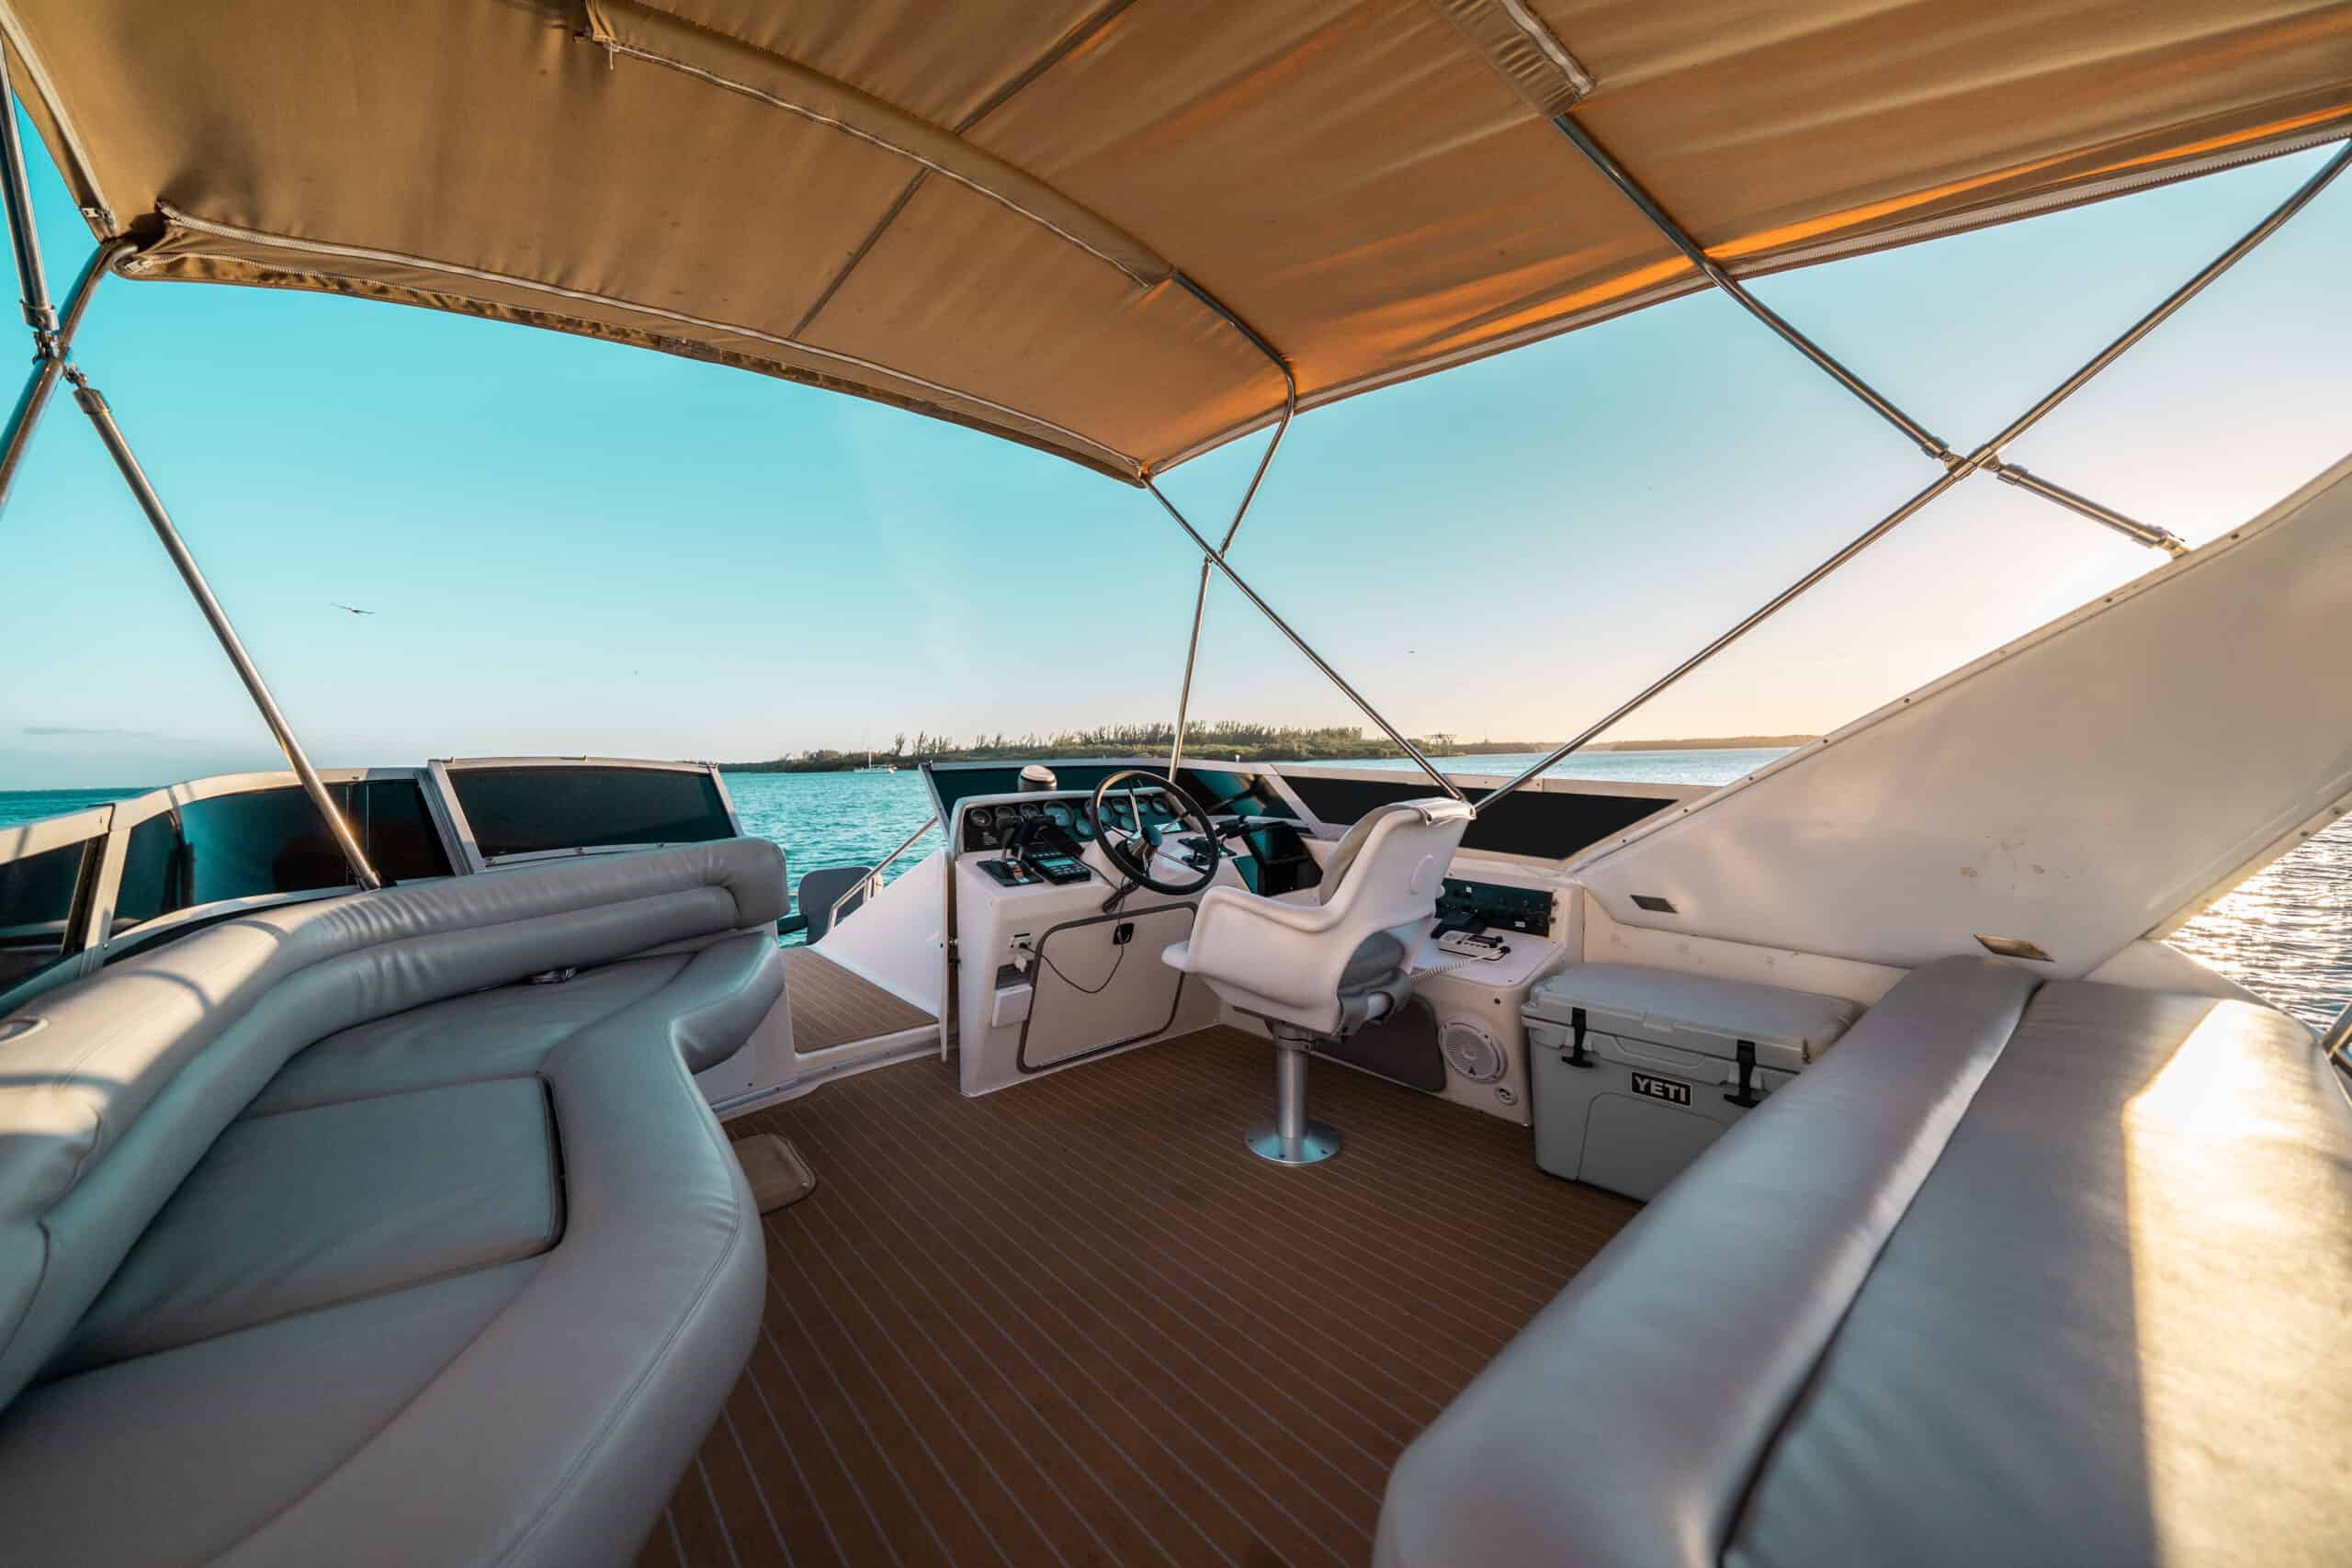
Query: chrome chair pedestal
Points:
[1289, 1136]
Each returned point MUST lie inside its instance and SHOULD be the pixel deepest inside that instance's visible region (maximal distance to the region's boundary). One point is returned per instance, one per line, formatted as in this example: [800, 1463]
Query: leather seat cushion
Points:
[507, 1031]
[302, 1209]
[171, 1458]
[714, 997]
[1992, 1283]
[1375, 960]
[2110, 1326]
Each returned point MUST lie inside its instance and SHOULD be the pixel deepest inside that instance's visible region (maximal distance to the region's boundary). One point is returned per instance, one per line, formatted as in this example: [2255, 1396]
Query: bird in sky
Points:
[353, 608]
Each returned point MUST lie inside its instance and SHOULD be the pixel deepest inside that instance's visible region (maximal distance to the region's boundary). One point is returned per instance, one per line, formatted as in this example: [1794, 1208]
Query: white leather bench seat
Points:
[2016, 1274]
[359, 1251]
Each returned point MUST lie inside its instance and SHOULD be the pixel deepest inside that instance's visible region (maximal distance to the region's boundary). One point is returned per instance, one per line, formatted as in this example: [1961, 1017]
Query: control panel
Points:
[1473, 908]
[1043, 863]
[995, 824]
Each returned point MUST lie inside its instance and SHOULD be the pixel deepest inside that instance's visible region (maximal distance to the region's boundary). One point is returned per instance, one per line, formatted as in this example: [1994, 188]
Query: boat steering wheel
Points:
[1132, 850]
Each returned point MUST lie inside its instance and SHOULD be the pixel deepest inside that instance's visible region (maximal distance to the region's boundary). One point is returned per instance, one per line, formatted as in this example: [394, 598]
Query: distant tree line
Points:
[1225, 740]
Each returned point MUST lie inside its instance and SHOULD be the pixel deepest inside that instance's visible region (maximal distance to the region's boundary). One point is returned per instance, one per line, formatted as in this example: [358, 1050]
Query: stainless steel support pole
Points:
[1290, 1098]
[102, 417]
[1961, 468]
[1290, 1136]
[2138, 533]
[1192, 653]
[1217, 560]
[1201, 594]
[1616, 174]
[17, 197]
[50, 367]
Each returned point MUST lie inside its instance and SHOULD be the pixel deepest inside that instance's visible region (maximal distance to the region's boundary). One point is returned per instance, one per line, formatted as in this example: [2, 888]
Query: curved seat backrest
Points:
[1393, 862]
[114, 1086]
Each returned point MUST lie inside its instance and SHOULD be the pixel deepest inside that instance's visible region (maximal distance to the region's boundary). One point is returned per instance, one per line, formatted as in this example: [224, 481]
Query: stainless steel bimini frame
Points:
[1956, 468]
[52, 341]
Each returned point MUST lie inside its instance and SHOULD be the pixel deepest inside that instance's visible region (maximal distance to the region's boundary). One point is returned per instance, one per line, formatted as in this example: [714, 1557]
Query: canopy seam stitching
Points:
[762, 96]
[1061, 51]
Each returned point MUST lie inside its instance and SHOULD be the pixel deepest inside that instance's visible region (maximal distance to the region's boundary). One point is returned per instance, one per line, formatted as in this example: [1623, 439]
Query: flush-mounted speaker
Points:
[1473, 1053]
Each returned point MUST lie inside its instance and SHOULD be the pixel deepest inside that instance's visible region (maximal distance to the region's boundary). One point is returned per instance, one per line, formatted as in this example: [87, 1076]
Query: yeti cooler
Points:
[1636, 1071]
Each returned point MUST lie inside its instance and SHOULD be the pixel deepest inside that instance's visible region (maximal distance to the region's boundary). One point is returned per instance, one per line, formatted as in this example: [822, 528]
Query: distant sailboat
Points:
[871, 768]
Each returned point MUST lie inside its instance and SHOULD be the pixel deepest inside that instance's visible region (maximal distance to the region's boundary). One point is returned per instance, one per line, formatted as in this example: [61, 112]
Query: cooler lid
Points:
[1654, 1004]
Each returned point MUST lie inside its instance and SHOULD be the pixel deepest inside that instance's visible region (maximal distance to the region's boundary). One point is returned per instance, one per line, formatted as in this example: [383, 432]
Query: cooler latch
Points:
[1747, 1095]
[1575, 1056]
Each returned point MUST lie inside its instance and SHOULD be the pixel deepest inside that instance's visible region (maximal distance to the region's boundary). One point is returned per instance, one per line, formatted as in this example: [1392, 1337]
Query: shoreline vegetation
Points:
[1224, 742]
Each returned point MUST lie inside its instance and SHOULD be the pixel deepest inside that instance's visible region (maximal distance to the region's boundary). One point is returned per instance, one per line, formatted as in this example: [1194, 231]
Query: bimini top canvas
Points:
[1110, 228]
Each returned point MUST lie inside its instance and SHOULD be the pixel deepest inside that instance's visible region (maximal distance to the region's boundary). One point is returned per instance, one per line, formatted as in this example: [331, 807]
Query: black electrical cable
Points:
[1074, 985]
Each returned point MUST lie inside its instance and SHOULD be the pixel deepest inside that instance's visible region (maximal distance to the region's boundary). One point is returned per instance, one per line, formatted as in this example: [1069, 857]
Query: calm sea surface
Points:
[2285, 934]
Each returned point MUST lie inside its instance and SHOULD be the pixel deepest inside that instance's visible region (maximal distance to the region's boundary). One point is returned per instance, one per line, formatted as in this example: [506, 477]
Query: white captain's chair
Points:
[1316, 972]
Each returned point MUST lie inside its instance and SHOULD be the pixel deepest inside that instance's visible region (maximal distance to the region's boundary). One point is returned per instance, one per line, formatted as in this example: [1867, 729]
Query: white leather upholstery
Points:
[287, 1275]
[302, 1210]
[1285, 962]
[2013, 1275]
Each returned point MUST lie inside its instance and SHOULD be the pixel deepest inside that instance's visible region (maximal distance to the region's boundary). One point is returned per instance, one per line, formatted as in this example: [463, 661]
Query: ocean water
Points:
[825, 819]
[2285, 934]
[18, 806]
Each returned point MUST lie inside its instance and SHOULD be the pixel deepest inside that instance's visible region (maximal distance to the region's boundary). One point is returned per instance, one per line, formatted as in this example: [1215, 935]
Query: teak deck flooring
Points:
[1075, 1322]
[833, 1007]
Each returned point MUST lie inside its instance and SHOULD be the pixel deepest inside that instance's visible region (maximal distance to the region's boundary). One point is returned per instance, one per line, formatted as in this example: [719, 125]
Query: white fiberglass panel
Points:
[2094, 781]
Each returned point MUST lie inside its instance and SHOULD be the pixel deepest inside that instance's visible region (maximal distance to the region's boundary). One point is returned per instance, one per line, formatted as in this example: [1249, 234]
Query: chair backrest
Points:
[1391, 865]
[819, 888]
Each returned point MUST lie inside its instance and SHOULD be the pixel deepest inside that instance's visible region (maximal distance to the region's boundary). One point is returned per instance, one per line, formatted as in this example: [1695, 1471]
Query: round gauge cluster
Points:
[992, 827]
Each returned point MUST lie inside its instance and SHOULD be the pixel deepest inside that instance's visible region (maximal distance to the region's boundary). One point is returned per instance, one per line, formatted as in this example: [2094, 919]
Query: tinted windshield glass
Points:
[271, 840]
[1547, 825]
[35, 907]
[516, 811]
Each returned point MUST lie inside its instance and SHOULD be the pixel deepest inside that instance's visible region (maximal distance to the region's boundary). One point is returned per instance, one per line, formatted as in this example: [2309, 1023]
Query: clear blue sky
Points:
[574, 546]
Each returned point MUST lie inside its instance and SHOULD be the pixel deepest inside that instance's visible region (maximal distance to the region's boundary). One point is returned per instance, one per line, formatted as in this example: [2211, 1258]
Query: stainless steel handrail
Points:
[871, 877]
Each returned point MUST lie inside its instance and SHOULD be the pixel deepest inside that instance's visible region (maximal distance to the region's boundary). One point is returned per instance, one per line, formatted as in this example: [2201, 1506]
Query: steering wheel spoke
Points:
[1134, 849]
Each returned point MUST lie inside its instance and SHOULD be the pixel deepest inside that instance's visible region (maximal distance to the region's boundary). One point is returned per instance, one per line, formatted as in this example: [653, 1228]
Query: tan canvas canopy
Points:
[1051, 218]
